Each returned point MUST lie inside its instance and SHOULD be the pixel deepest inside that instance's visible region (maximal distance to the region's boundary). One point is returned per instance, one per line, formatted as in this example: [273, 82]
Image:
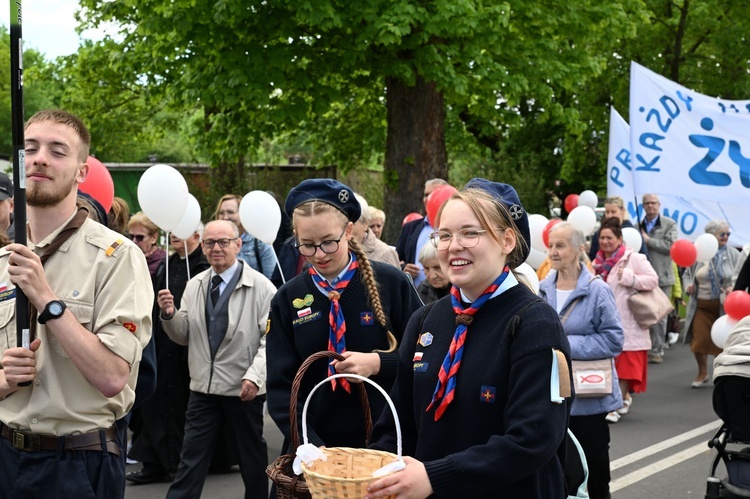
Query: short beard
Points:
[37, 198]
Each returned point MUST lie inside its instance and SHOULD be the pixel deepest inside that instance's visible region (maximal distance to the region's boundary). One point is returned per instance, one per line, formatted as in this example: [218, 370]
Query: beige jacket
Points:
[242, 353]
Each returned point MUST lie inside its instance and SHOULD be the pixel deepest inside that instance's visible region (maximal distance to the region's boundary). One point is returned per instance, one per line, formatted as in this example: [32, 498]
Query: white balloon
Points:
[632, 238]
[163, 196]
[584, 218]
[588, 198]
[260, 215]
[537, 223]
[720, 330]
[190, 220]
[536, 258]
[707, 246]
[526, 270]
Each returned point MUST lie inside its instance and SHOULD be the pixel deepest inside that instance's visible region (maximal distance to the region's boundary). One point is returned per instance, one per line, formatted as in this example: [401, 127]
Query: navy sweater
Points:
[335, 418]
[501, 436]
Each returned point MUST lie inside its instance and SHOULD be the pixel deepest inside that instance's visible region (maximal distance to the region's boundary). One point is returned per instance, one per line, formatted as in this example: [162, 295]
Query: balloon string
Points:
[278, 265]
[187, 260]
[166, 260]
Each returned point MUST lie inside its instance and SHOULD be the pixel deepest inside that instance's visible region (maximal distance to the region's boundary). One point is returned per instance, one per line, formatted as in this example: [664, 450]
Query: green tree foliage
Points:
[515, 91]
[35, 93]
[126, 120]
[364, 77]
[702, 45]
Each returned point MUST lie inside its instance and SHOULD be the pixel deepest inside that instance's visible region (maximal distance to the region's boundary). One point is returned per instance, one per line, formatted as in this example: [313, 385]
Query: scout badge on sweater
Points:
[336, 342]
[446, 386]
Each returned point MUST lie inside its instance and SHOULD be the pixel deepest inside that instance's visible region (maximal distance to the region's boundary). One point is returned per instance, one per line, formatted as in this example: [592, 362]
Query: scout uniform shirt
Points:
[104, 281]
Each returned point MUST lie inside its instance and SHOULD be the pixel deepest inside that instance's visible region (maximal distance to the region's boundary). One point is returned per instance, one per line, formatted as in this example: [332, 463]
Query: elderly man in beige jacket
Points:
[222, 320]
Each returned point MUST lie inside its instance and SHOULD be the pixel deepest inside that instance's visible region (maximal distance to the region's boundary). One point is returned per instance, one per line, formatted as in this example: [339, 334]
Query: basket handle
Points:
[361, 378]
[295, 394]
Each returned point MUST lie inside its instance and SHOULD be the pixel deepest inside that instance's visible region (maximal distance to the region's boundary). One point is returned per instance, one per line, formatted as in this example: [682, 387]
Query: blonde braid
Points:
[371, 286]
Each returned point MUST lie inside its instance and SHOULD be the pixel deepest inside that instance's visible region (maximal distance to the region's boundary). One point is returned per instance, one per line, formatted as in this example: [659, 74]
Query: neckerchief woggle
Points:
[446, 385]
[336, 341]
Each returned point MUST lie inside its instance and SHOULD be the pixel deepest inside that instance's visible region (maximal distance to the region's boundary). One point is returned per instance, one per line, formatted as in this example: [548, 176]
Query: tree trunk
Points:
[229, 178]
[415, 148]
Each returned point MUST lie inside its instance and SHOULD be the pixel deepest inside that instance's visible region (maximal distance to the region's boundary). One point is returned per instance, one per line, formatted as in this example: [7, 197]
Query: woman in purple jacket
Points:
[595, 332]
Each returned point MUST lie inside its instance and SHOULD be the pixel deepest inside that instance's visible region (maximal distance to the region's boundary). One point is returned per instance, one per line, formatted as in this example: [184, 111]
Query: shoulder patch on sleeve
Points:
[110, 243]
[112, 247]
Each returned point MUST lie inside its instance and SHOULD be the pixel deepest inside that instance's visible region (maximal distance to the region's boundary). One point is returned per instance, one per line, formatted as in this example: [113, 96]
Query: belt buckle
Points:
[22, 441]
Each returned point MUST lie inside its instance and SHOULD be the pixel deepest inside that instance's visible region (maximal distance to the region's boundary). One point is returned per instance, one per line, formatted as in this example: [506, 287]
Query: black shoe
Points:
[147, 475]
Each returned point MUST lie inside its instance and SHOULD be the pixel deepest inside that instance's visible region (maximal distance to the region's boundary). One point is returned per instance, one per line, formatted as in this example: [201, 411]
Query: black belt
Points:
[86, 441]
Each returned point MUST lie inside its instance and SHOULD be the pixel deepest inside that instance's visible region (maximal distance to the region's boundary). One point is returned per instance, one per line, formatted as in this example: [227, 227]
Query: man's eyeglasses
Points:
[468, 238]
[646, 203]
[727, 234]
[327, 247]
[223, 243]
[137, 237]
[227, 212]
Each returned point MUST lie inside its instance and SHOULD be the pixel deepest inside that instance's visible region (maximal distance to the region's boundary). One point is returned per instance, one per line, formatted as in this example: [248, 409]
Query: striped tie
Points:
[446, 385]
[336, 341]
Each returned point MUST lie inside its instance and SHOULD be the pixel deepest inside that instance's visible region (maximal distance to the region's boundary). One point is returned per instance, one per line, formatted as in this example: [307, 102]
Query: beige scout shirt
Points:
[104, 281]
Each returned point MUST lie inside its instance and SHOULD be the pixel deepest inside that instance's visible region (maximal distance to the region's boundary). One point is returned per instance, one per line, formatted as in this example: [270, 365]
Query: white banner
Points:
[691, 215]
[685, 143]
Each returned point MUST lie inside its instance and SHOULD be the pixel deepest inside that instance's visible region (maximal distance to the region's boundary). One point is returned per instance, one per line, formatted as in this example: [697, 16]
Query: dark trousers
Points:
[206, 414]
[83, 474]
[592, 433]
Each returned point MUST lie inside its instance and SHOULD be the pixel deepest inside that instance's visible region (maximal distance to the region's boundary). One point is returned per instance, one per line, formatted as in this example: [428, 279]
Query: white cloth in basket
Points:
[306, 453]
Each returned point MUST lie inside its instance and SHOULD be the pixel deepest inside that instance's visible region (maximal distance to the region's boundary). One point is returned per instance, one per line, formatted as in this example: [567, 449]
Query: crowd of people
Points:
[186, 348]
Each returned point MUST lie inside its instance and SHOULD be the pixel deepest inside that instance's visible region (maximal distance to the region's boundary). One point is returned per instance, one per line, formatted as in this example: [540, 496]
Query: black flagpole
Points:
[19, 166]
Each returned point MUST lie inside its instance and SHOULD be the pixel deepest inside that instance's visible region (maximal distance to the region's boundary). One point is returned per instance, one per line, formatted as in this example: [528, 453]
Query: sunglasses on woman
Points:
[137, 237]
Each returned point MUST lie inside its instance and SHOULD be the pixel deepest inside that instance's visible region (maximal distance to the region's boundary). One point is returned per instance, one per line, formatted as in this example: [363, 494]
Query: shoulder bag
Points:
[649, 307]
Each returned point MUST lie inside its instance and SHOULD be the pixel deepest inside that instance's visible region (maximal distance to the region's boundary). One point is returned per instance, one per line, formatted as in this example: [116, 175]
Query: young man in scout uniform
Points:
[92, 292]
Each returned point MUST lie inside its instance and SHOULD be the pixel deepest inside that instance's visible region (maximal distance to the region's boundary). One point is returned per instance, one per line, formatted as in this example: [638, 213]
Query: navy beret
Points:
[507, 195]
[326, 190]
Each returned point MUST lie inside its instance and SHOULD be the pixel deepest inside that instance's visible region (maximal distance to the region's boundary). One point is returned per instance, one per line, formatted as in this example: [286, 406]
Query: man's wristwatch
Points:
[53, 310]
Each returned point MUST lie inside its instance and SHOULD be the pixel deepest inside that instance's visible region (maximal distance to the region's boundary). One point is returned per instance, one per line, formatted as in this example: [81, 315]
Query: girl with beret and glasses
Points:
[478, 415]
[343, 303]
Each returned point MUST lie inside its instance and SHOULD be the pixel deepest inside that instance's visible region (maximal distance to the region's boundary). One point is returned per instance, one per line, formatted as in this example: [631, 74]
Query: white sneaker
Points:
[612, 417]
[673, 337]
[625, 406]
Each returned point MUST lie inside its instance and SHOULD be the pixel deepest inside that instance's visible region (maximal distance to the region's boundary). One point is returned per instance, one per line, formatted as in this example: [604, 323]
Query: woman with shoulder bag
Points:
[706, 284]
[594, 329]
[626, 272]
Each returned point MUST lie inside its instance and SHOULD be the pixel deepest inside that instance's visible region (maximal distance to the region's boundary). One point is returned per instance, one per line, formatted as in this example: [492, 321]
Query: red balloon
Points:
[683, 253]
[411, 217]
[571, 201]
[550, 224]
[436, 199]
[737, 304]
[98, 183]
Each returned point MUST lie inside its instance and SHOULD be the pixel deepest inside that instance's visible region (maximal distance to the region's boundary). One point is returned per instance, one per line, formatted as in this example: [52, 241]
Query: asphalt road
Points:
[657, 451]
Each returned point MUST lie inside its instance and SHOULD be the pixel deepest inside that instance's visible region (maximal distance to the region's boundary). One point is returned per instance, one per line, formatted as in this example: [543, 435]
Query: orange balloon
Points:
[683, 253]
[545, 231]
[98, 183]
[411, 217]
[436, 199]
[571, 201]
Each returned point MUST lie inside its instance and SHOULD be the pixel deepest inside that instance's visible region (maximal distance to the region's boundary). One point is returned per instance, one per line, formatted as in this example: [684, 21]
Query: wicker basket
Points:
[346, 472]
[289, 485]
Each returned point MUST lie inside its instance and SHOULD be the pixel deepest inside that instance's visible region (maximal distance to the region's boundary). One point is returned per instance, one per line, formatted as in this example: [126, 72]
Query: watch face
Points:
[55, 309]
